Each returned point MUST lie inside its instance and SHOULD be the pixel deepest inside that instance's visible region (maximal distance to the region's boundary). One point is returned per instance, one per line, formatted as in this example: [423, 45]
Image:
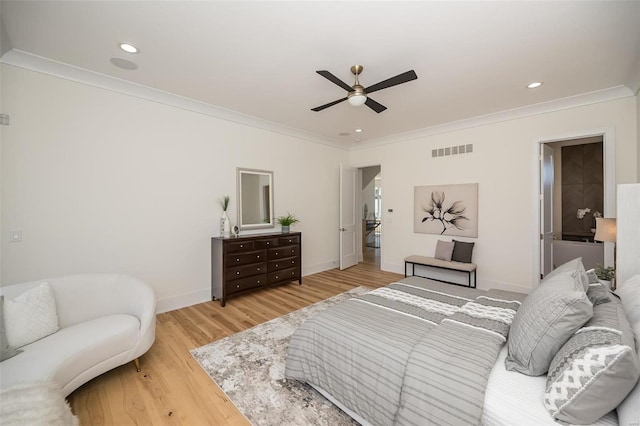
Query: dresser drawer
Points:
[246, 283]
[244, 258]
[237, 272]
[276, 265]
[294, 239]
[239, 246]
[281, 252]
[266, 243]
[283, 275]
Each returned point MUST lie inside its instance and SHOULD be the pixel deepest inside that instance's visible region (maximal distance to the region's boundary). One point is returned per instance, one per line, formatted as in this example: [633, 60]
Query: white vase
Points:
[225, 225]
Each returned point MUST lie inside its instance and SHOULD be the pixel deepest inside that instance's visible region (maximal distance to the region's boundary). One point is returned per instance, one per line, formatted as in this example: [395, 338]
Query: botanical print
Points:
[446, 210]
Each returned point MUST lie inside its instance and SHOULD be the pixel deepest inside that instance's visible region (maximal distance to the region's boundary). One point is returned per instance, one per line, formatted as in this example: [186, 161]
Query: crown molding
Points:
[43, 65]
[21, 59]
[604, 95]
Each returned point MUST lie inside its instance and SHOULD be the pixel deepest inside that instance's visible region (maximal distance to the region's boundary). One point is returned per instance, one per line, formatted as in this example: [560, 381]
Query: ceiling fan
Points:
[357, 94]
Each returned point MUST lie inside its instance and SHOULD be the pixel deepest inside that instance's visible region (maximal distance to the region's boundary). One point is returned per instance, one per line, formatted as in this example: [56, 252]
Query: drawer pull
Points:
[276, 253]
[238, 286]
[257, 257]
[237, 259]
[237, 272]
[241, 245]
[276, 277]
[258, 269]
[277, 265]
[293, 251]
[293, 262]
[268, 242]
[258, 281]
[293, 273]
[289, 240]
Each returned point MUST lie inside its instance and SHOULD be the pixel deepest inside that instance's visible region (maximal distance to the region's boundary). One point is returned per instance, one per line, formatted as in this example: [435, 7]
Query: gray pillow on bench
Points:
[444, 250]
[462, 251]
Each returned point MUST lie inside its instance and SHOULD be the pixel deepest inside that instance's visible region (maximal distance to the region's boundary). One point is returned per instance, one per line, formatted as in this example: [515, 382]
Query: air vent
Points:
[452, 150]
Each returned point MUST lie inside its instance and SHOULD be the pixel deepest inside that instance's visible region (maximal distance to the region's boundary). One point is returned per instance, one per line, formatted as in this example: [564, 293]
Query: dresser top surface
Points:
[256, 236]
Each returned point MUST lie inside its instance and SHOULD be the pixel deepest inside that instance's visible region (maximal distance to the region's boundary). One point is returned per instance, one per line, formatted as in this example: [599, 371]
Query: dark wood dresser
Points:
[255, 261]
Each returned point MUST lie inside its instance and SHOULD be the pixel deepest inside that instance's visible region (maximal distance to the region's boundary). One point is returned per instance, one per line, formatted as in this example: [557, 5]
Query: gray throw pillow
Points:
[574, 265]
[6, 351]
[595, 370]
[547, 318]
[462, 251]
[444, 250]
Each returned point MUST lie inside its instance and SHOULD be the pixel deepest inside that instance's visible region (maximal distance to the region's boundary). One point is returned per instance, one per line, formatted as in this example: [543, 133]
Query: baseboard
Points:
[320, 267]
[183, 300]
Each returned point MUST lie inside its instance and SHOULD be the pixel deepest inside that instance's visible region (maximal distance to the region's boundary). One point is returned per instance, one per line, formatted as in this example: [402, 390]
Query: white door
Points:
[348, 248]
[546, 210]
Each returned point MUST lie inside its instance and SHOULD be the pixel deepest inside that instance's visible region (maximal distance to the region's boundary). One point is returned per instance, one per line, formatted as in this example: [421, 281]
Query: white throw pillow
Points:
[30, 316]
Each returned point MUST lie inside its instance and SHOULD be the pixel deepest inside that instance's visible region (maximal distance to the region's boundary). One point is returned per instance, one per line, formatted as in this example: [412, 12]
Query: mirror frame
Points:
[244, 226]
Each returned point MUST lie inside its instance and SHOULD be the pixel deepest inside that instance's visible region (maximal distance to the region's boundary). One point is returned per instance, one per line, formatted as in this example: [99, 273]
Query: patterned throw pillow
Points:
[30, 316]
[595, 370]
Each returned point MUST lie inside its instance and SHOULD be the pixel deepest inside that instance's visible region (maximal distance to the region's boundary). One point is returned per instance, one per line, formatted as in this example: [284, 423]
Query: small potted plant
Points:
[605, 274]
[287, 221]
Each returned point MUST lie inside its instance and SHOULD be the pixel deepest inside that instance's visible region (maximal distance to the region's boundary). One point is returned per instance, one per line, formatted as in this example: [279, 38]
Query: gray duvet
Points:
[412, 353]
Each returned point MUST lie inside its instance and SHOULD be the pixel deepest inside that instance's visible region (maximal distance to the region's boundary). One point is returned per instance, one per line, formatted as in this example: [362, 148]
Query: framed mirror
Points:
[255, 199]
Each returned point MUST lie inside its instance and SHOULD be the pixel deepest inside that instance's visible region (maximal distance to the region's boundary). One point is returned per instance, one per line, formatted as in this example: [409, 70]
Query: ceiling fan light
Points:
[357, 99]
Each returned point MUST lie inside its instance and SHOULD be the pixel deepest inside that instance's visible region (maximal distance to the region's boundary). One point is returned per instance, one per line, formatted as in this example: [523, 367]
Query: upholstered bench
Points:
[469, 268]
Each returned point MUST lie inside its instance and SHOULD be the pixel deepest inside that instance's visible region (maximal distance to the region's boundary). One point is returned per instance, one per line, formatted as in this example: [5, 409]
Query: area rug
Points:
[249, 368]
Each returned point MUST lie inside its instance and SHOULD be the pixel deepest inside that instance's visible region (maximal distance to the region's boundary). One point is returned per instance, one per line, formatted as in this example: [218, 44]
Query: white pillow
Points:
[629, 293]
[30, 316]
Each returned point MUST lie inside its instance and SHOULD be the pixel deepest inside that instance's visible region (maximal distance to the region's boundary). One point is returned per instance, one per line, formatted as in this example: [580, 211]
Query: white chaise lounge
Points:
[106, 320]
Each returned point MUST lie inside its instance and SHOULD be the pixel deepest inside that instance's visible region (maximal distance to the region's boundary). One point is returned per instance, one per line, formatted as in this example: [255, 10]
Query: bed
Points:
[421, 352]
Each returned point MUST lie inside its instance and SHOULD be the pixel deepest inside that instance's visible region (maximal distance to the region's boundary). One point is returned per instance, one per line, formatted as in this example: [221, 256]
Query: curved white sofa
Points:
[106, 320]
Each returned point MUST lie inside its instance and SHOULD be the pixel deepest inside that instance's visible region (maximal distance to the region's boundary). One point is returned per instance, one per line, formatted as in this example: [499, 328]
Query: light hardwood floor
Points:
[172, 388]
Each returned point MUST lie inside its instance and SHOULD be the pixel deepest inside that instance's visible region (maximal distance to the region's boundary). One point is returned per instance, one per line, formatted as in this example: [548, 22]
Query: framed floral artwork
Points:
[446, 210]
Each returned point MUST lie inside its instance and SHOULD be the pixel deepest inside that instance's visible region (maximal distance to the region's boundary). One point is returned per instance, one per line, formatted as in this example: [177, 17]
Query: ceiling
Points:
[259, 58]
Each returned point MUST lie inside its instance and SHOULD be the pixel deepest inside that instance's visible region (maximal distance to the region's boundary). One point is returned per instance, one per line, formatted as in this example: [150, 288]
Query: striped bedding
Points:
[413, 350]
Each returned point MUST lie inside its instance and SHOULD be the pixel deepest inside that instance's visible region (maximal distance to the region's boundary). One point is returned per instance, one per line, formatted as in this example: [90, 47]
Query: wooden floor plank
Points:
[172, 388]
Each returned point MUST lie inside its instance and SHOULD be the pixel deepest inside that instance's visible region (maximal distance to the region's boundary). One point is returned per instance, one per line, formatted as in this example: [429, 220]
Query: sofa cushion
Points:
[6, 351]
[30, 316]
[73, 350]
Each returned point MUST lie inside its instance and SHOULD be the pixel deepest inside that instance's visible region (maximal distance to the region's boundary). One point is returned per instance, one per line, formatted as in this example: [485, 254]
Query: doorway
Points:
[575, 187]
[371, 208]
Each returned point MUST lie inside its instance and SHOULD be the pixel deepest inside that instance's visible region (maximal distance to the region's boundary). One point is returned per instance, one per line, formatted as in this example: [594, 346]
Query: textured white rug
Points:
[37, 404]
[249, 368]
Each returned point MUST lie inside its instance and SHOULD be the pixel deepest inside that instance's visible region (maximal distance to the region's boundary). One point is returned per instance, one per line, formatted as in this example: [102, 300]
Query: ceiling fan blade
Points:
[320, 108]
[335, 80]
[375, 105]
[393, 81]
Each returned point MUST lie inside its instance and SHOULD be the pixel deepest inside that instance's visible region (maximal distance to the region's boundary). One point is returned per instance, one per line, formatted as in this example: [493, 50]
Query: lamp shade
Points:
[357, 99]
[605, 229]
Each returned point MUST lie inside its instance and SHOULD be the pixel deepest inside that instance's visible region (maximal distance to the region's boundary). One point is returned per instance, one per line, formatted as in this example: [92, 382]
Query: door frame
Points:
[609, 164]
[359, 205]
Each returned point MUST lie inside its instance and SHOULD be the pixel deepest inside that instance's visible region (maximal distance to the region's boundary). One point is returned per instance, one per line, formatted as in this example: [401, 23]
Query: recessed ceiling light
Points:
[129, 48]
[358, 130]
[534, 84]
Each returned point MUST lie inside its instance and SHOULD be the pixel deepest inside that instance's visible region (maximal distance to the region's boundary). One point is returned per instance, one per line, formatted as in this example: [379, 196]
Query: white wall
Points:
[99, 181]
[503, 165]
